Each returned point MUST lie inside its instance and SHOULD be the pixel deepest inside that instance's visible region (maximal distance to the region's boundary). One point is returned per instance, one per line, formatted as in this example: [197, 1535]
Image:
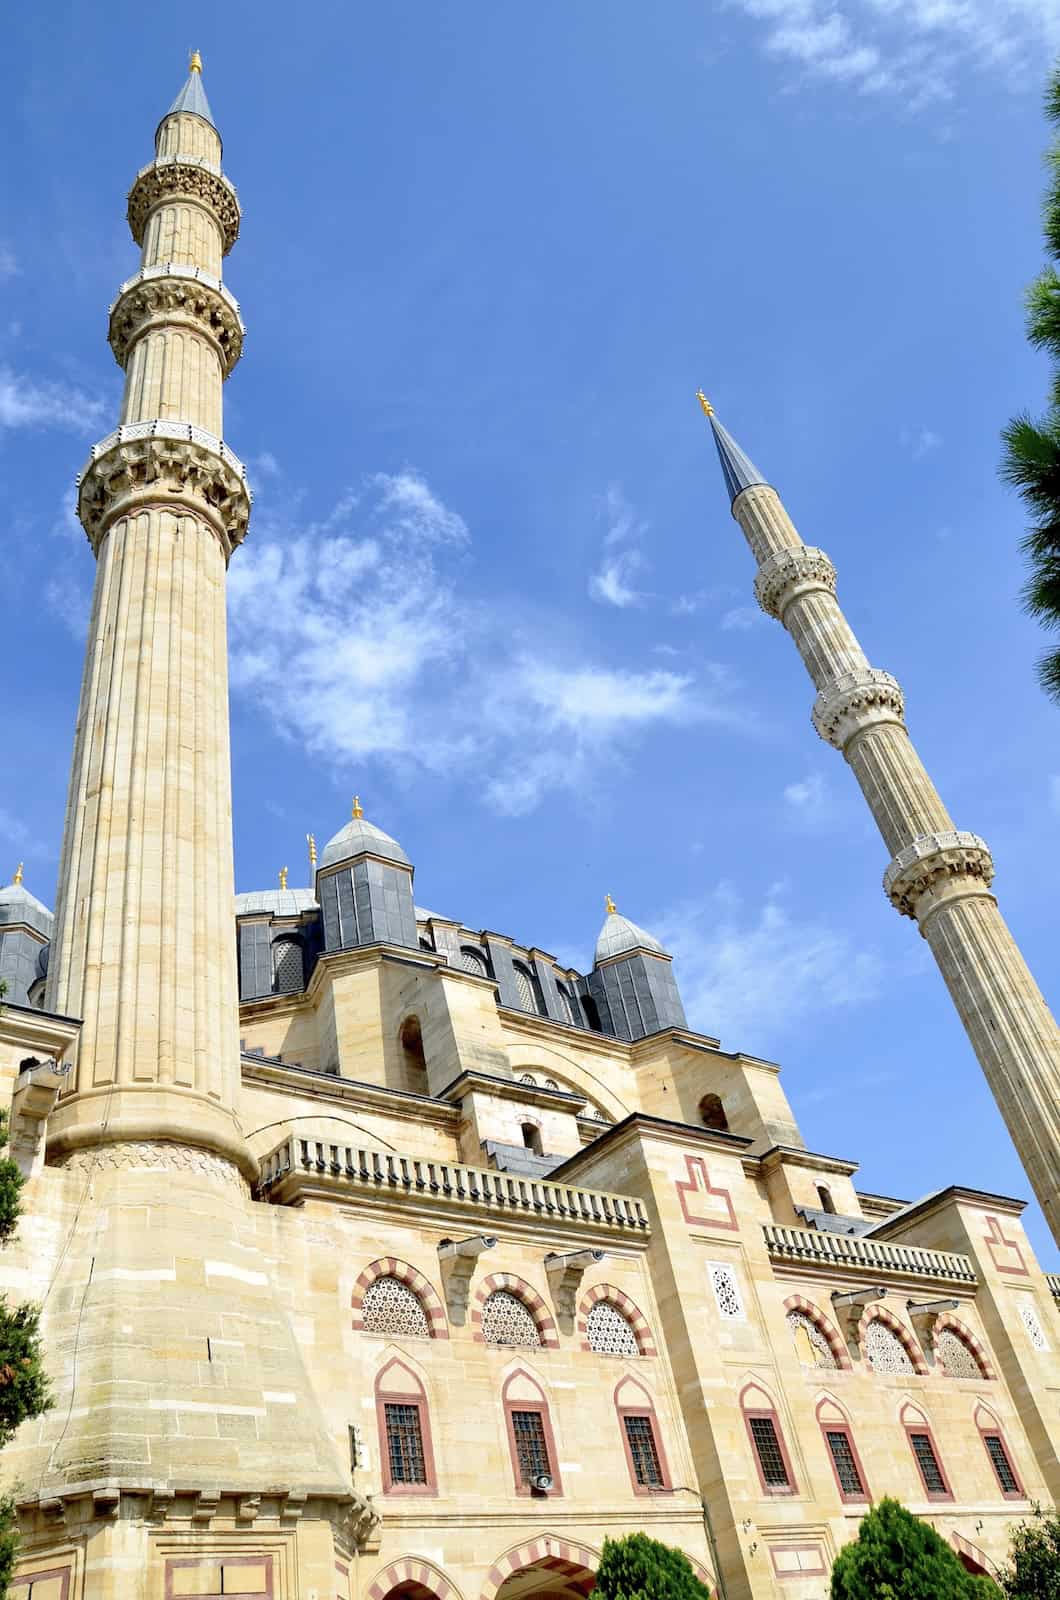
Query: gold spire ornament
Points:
[195, 62]
[708, 409]
[283, 877]
[610, 905]
[311, 841]
[358, 812]
[17, 879]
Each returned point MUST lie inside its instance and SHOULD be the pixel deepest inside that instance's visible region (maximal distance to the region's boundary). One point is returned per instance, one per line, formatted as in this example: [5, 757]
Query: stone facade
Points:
[396, 1260]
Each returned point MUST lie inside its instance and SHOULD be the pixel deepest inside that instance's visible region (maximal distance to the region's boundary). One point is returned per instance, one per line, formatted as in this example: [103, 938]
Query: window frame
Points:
[937, 1496]
[827, 1426]
[647, 1411]
[771, 1491]
[992, 1429]
[543, 1409]
[394, 1397]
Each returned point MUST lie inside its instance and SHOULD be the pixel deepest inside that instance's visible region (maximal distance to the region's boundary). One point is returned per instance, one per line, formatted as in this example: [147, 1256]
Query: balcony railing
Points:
[854, 1254]
[298, 1166]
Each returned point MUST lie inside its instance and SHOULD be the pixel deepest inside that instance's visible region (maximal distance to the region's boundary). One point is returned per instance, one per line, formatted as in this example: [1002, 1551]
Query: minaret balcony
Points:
[788, 574]
[175, 178]
[937, 867]
[168, 464]
[177, 295]
[856, 701]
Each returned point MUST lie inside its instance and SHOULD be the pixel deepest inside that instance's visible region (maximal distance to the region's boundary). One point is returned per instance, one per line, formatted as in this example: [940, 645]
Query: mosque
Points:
[386, 1258]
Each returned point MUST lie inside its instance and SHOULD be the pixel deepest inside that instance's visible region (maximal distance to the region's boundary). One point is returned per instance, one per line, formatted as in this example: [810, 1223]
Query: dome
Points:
[18, 905]
[618, 935]
[360, 838]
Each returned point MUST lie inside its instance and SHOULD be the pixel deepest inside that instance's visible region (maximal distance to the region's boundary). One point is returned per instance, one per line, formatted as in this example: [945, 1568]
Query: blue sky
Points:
[488, 254]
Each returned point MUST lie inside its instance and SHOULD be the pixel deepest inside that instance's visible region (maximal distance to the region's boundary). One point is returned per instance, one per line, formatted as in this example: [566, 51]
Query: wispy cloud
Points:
[68, 591]
[739, 619]
[19, 838]
[30, 403]
[808, 800]
[750, 974]
[920, 442]
[8, 263]
[612, 583]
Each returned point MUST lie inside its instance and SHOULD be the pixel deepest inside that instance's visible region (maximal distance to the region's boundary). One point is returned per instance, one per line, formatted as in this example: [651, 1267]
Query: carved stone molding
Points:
[789, 573]
[177, 294]
[180, 178]
[857, 700]
[157, 1155]
[933, 867]
[168, 464]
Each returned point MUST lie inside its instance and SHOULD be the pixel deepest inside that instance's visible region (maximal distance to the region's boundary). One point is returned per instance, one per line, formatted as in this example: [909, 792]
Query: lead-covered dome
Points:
[619, 935]
[360, 838]
[17, 906]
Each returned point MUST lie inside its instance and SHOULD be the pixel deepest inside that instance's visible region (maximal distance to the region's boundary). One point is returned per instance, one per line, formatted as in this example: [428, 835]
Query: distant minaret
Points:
[144, 947]
[937, 875]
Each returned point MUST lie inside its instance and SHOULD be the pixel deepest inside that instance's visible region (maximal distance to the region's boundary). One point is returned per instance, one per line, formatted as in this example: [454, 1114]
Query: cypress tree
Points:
[638, 1568]
[896, 1556]
[1031, 460]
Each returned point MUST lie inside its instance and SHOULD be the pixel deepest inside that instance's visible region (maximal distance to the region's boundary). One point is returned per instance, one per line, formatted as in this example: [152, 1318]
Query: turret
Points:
[632, 981]
[364, 886]
[25, 932]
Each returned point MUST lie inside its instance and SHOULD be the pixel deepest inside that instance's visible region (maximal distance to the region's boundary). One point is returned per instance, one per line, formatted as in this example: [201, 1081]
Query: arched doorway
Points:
[972, 1559]
[545, 1569]
[412, 1579]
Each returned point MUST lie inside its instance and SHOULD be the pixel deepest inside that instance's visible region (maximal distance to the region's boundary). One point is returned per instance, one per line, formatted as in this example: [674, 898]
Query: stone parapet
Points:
[168, 464]
[181, 296]
[171, 178]
[937, 867]
[787, 574]
[854, 1253]
[854, 702]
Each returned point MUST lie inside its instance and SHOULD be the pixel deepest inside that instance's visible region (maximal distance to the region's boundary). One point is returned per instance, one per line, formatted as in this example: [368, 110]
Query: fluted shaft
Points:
[939, 876]
[144, 949]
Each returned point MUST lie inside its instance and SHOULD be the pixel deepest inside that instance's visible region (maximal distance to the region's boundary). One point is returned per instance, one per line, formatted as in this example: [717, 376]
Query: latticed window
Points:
[846, 1466]
[1030, 1321]
[884, 1351]
[1001, 1464]
[550, 1083]
[958, 1357]
[390, 1306]
[472, 961]
[770, 1455]
[928, 1462]
[567, 1005]
[505, 1320]
[811, 1346]
[609, 1332]
[404, 1444]
[526, 989]
[643, 1451]
[726, 1290]
[288, 968]
[528, 1077]
[531, 1445]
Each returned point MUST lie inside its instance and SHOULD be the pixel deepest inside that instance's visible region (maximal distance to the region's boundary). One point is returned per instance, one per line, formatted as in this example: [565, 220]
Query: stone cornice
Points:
[471, 1082]
[531, 1025]
[639, 1126]
[787, 1155]
[349, 1092]
[35, 1030]
[177, 295]
[166, 464]
[955, 1194]
[172, 178]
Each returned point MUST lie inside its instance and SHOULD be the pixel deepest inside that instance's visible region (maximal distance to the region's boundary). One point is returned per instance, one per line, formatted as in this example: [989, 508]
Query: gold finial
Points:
[358, 811]
[610, 905]
[311, 841]
[195, 62]
[708, 409]
[18, 874]
[283, 877]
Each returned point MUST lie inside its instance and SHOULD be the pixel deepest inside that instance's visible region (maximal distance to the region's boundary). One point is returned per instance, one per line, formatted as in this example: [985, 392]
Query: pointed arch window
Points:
[842, 1451]
[767, 1441]
[997, 1452]
[531, 1443]
[641, 1439]
[528, 989]
[406, 1451]
[712, 1113]
[928, 1461]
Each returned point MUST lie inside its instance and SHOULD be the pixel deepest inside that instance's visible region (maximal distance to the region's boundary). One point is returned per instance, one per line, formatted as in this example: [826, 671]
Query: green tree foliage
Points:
[896, 1556]
[1031, 460]
[1033, 1568]
[639, 1568]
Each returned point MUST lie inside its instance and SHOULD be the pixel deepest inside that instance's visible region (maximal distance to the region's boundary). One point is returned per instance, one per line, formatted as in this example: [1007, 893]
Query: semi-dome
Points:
[17, 905]
[619, 935]
[360, 838]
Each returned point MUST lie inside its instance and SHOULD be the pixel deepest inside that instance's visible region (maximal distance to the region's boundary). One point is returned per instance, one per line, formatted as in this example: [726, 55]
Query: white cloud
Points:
[69, 598]
[740, 618]
[808, 798]
[15, 833]
[8, 263]
[611, 583]
[750, 975]
[920, 442]
[27, 403]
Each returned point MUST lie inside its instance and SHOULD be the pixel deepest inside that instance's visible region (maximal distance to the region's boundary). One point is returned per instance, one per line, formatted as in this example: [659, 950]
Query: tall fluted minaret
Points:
[143, 948]
[938, 875]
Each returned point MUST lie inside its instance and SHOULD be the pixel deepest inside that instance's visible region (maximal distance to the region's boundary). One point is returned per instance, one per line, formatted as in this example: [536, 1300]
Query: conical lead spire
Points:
[192, 98]
[739, 470]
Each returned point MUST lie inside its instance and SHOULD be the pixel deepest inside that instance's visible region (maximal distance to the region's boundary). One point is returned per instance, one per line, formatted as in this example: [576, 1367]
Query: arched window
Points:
[884, 1350]
[824, 1195]
[609, 1332]
[390, 1307]
[470, 960]
[955, 1355]
[997, 1453]
[405, 1450]
[507, 1321]
[550, 1083]
[592, 1013]
[530, 1438]
[566, 1004]
[811, 1345]
[842, 1451]
[640, 1436]
[767, 1441]
[712, 1113]
[288, 965]
[528, 989]
[922, 1444]
[411, 1038]
[528, 1077]
[532, 1138]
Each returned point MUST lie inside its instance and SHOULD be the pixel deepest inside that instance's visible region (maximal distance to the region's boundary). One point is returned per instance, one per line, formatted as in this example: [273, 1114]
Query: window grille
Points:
[505, 1320]
[884, 1351]
[1001, 1464]
[609, 1332]
[472, 961]
[811, 1346]
[846, 1467]
[770, 1455]
[550, 1083]
[957, 1357]
[288, 970]
[531, 1447]
[928, 1462]
[528, 1077]
[567, 1005]
[1033, 1326]
[726, 1290]
[647, 1468]
[404, 1444]
[524, 988]
[390, 1306]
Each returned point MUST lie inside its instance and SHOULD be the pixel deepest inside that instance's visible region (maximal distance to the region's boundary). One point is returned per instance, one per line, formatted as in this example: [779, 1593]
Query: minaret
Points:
[938, 875]
[144, 947]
